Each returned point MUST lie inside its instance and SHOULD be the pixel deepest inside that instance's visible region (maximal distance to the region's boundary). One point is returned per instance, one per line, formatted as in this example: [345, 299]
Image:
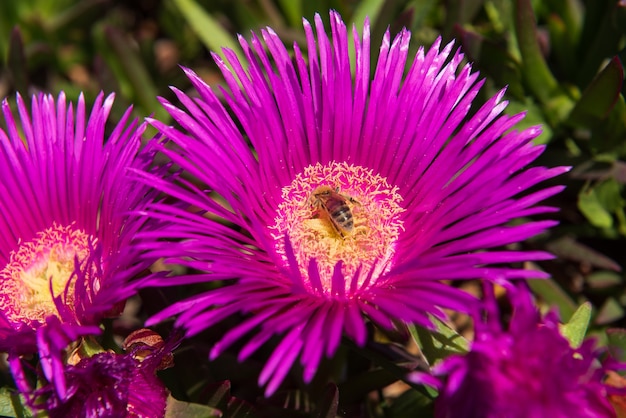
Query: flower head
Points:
[332, 196]
[66, 227]
[528, 370]
[108, 384]
[65, 213]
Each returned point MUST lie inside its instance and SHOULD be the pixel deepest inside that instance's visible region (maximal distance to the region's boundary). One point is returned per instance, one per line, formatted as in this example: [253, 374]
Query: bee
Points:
[334, 206]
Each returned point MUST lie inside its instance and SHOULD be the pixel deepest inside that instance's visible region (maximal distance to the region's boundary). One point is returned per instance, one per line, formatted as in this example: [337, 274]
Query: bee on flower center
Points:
[334, 206]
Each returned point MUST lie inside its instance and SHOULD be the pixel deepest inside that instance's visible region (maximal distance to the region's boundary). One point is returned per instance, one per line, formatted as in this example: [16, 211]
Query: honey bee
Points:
[334, 206]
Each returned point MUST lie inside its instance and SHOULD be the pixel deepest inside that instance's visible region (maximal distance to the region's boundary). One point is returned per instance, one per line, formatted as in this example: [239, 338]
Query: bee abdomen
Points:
[343, 217]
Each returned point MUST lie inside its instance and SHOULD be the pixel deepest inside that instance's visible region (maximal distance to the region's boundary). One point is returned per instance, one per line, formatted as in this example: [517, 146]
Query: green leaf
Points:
[492, 59]
[572, 13]
[75, 14]
[603, 280]
[553, 294]
[576, 328]
[500, 15]
[591, 206]
[534, 67]
[609, 195]
[366, 8]
[610, 311]
[564, 25]
[382, 14]
[8, 17]
[599, 97]
[310, 8]
[557, 108]
[210, 32]
[608, 134]
[568, 247]
[601, 38]
[534, 117]
[459, 12]
[621, 220]
[179, 409]
[134, 70]
[562, 45]
[439, 343]
[16, 61]
[411, 404]
[12, 405]
[421, 10]
[89, 347]
[293, 11]
[617, 343]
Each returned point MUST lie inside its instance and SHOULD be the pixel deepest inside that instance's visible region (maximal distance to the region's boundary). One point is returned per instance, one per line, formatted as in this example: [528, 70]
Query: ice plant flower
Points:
[108, 384]
[526, 370]
[66, 227]
[333, 198]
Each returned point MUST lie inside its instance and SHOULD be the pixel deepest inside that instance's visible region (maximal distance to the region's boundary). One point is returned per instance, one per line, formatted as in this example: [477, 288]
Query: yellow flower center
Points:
[339, 212]
[41, 270]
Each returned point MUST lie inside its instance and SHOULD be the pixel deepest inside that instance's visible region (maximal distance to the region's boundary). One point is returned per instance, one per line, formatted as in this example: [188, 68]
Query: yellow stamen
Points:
[376, 213]
[46, 263]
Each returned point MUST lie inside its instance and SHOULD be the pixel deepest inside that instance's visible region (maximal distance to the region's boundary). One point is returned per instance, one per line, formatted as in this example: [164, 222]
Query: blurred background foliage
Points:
[563, 63]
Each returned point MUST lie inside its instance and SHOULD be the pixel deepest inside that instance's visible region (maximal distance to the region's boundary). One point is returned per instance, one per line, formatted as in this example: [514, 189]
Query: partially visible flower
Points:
[332, 197]
[526, 370]
[111, 385]
[66, 228]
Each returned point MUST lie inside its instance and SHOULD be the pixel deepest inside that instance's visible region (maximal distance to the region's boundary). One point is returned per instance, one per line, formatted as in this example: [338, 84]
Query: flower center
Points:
[339, 213]
[39, 271]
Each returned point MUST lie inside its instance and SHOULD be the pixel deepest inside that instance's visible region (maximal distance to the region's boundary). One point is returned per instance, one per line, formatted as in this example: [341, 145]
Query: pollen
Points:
[39, 271]
[339, 212]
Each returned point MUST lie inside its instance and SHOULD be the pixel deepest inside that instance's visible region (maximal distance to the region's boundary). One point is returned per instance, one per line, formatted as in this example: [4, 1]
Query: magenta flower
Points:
[332, 198]
[108, 384]
[528, 370]
[66, 230]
